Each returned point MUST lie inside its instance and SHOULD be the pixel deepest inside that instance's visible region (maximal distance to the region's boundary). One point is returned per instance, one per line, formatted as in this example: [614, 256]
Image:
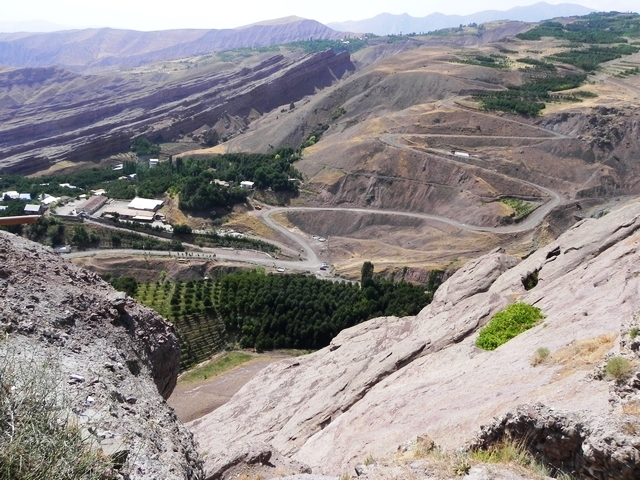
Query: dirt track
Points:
[195, 399]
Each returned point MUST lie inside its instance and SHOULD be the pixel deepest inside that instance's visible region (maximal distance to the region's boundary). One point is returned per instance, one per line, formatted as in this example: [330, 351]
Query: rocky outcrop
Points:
[387, 380]
[116, 360]
[95, 116]
[587, 446]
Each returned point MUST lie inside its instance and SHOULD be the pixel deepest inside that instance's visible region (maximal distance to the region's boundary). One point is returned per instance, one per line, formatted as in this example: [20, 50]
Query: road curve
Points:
[530, 221]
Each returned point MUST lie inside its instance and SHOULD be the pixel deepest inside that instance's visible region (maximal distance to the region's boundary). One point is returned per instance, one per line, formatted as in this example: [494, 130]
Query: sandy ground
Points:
[195, 399]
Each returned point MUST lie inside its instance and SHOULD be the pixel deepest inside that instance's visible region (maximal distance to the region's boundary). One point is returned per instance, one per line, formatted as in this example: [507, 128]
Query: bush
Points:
[508, 324]
[38, 438]
[541, 355]
[182, 229]
[618, 368]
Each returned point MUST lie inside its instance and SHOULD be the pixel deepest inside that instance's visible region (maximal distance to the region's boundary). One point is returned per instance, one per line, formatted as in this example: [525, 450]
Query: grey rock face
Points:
[117, 360]
[387, 380]
[575, 442]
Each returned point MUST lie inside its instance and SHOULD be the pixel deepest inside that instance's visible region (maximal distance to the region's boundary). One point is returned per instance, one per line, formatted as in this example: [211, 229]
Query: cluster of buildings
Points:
[29, 209]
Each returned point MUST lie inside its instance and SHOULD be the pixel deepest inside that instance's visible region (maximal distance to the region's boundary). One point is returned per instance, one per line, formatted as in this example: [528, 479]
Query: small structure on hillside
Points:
[153, 162]
[247, 185]
[461, 154]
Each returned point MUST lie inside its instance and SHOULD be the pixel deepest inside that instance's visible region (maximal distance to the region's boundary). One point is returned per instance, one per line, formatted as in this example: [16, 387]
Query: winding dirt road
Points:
[309, 260]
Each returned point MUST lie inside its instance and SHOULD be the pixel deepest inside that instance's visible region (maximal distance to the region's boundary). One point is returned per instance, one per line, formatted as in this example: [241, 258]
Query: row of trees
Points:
[589, 59]
[593, 28]
[274, 311]
[530, 98]
[298, 311]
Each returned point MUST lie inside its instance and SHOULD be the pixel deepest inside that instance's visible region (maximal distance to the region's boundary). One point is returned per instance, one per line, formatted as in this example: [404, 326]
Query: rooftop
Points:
[139, 203]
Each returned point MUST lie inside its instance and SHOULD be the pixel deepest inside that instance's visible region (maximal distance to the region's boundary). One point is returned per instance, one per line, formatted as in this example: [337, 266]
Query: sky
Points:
[161, 15]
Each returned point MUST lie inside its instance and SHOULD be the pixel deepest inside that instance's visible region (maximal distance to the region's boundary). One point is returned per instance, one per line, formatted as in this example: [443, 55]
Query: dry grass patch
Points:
[283, 220]
[172, 212]
[216, 367]
[632, 408]
[245, 222]
[583, 354]
[328, 176]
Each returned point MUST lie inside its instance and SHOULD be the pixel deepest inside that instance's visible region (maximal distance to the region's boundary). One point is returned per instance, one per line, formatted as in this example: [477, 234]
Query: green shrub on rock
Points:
[618, 368]
[508, 324]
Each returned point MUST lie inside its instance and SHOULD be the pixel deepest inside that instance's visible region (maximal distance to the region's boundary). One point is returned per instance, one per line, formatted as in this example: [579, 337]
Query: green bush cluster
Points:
[600, 27]
[491, 61]
[589, 59]
[507, 324]
[143, 146]
[528, 99]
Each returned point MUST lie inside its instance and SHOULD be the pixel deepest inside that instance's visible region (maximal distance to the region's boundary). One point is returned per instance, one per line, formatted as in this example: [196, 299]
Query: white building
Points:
[12, 195]
[153, 162]
[247, 185]
[32, 209]
[47, 199]
[148, 204]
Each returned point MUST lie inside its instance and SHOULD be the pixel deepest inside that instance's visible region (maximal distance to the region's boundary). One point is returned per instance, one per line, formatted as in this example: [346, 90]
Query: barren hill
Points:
[382, 383]
[49, 114]
[104, 48]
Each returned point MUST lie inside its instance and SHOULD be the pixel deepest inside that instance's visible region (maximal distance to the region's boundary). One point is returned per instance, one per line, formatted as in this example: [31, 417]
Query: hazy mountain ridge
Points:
[386, 23]
[88, 49]
[50, 113]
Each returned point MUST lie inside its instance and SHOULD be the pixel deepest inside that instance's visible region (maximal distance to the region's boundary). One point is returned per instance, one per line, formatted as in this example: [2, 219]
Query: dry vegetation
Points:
[582, 354]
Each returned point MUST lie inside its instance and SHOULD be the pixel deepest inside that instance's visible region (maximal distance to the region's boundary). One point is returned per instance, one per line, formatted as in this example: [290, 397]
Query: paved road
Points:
[244, 256]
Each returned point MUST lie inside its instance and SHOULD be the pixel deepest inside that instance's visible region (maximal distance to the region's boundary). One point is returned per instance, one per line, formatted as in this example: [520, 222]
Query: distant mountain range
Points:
[386, 23]
[99, 48]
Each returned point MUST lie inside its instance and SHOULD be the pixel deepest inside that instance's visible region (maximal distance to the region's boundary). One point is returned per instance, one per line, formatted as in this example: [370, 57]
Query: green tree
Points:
[126, 284]
[366, 274]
